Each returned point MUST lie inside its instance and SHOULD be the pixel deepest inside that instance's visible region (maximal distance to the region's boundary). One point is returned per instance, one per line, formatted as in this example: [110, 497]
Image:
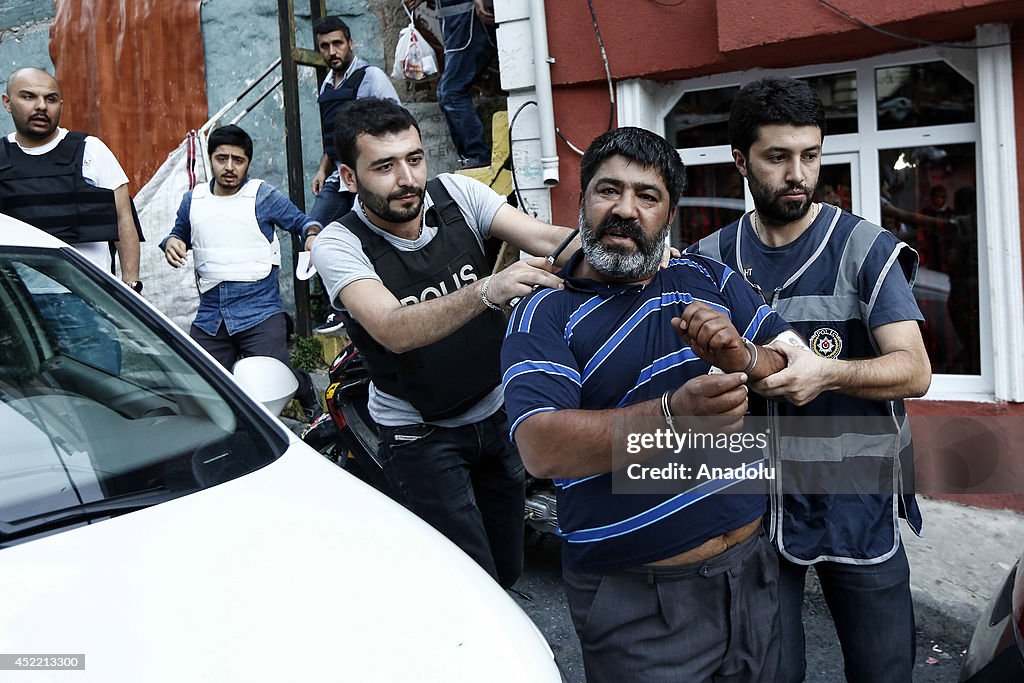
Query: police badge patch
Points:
[826, 342]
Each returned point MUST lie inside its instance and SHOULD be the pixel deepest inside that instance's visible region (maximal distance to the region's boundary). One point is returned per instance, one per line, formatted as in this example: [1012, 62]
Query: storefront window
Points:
[908, 127]
[700, 118]
[838, 92]
[925, 94]
[834, 186]
[928, 200]
[714, 198]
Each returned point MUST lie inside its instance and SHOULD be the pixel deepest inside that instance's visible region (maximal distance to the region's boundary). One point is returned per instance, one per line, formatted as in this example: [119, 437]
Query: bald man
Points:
[66, 183]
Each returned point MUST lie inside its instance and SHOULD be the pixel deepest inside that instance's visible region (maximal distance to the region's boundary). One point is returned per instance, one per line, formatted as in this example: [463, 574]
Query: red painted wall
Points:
[647, 40]
[581, 113]
[976, 447]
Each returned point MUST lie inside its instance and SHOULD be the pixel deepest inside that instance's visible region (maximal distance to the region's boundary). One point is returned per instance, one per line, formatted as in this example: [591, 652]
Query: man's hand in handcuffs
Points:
[712, 336]
[716, 396]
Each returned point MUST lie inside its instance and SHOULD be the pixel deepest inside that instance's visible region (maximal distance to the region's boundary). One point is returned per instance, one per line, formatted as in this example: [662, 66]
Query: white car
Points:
[156, 524]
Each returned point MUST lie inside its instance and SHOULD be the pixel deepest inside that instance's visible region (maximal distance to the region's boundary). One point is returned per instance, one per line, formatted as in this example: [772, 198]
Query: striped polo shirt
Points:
[596, 345]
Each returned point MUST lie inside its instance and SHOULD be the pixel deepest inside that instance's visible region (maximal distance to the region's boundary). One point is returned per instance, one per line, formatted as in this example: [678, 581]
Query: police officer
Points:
[408, 265]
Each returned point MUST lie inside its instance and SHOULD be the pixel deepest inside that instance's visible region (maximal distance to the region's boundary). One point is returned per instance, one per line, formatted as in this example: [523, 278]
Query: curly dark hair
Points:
[648, 149]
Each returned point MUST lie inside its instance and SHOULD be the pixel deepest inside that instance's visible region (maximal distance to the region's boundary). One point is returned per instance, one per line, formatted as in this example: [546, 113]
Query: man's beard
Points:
[39, 135]
[381, 205]
[231, 185]
[768, 200]
[344, 65]
[622, 264]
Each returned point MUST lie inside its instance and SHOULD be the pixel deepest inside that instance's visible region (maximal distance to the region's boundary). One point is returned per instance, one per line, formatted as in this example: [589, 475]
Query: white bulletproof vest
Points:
[227, 243]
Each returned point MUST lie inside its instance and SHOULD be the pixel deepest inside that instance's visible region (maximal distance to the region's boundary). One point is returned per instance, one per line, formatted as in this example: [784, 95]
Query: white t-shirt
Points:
[100, 168]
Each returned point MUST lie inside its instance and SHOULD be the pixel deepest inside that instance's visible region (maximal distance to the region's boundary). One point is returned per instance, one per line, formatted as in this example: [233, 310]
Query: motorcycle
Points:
[347, 435]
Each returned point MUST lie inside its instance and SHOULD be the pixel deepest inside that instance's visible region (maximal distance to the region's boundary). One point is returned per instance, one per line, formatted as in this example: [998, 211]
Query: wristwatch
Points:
[136, 285]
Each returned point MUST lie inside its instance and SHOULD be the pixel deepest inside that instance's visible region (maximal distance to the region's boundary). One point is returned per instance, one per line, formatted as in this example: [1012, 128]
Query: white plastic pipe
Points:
[542, 84]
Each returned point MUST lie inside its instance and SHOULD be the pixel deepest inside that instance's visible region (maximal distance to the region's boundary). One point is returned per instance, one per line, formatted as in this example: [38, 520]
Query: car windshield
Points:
[102, 409]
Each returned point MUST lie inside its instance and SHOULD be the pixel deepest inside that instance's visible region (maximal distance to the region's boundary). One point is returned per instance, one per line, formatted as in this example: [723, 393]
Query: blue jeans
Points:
[468, 483]
[331, 203]
[872, 611]
[467, 51]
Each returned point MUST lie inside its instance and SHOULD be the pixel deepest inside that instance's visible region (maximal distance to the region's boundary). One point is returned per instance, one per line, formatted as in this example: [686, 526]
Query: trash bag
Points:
[414, 58]
[172, 290]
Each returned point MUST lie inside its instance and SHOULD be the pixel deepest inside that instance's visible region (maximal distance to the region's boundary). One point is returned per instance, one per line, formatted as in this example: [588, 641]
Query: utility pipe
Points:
[259, 99]
[227, 107]
[542, 84]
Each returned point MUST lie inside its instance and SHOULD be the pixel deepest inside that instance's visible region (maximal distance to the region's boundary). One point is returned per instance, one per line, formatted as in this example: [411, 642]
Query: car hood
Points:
[297, 571]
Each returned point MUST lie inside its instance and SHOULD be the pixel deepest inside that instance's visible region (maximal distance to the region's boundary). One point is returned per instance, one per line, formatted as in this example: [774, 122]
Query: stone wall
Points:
[24, 40]
[241, 39]
[20, 12]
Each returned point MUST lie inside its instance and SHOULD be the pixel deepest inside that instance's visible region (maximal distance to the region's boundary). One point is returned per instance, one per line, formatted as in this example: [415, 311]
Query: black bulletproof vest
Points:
[446, 378]
[49, 192]
[331, 101]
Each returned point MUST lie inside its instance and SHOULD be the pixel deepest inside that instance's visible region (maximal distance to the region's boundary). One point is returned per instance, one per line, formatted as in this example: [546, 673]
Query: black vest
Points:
[446, 378]
[332, 100]
[49, 192]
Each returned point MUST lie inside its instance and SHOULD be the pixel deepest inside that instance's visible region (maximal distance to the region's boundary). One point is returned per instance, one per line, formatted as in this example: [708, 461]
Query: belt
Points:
[712, 547]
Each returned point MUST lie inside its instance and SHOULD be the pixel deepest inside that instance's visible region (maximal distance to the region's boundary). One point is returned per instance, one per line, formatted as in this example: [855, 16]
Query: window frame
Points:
[646, 103]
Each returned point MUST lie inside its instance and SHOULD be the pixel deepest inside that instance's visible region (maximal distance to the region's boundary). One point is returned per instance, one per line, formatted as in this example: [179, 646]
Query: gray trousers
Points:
[709, 621]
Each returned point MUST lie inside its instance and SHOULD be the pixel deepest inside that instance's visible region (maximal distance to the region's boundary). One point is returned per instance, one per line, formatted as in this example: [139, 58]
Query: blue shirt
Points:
[241, 305]
[596, 345]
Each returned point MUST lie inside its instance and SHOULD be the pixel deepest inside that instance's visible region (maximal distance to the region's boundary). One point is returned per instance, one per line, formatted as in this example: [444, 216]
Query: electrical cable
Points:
[608, 79]
[607, 76]
[900, 36]
[558, 132]
[607, 70]
[511, 163]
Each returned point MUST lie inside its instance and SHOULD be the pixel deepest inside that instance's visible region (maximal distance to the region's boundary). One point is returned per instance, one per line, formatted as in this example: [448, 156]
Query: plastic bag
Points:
[414, 58]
